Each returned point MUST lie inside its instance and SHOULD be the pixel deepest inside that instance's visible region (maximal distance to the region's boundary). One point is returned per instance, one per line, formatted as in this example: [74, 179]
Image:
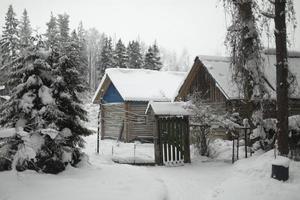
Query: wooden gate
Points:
[172, 146]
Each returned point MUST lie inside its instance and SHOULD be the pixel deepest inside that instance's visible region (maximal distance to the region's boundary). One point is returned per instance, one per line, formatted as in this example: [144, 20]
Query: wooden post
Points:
[181, 141]
[102, 115]
[246, 141]
[187, 158]
[158, 143]
[237, 146]
[163, 130]
[233, 150]
[169, 138]
[177, 134]
[173, 136]
[98, 129]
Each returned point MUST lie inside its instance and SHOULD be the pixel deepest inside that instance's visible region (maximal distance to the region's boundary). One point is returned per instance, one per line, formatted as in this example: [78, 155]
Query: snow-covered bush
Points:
[45, 111]
[205, 117]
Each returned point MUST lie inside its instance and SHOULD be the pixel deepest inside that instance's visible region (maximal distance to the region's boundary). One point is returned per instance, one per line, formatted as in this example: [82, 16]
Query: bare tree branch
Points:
[268, 15]
[272, 2]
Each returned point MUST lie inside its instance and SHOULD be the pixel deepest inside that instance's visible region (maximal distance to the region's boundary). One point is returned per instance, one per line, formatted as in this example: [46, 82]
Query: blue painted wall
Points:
[112, 95]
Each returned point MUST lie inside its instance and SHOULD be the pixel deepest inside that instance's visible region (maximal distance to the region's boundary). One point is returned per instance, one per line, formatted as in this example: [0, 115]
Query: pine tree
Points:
[120, 55]
[75, 52]
[44, 107]
[157, 58]
[135, 58]
[82, 43]
[52, 32]
[28, 103]
[10, 42]
[106, 57]
[63, 27]
[25, 30]
[149, 62]
[152, 58]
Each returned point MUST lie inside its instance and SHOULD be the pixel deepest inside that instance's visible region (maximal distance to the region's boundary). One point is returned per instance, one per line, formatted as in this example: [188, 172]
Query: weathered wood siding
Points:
[113, 116]
[139, 126]
[200, 80]
[205, 84]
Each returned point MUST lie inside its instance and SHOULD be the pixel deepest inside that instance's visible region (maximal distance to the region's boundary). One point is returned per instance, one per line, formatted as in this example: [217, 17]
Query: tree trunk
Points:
[281, 74]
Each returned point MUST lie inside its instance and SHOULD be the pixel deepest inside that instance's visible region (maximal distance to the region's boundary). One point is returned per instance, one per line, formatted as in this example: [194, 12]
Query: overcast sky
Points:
[198, 26]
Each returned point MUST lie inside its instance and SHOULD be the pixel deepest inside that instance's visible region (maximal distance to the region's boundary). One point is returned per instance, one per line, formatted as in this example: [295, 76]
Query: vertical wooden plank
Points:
[98, 128]
[233, 150]
[181, 129]
[158, 144]
[164, 139]
[126, 121]
[237, 146]
[102, 115]
[173, 135]
[187, 158]
[177, 138]
[169, 139]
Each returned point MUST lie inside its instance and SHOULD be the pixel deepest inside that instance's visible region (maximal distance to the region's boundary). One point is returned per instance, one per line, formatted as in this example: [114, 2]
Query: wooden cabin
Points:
[123, 96]
[211, 76]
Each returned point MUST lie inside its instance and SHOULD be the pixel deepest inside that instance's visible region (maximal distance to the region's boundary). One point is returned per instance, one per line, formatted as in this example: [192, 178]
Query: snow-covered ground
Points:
[205, 179]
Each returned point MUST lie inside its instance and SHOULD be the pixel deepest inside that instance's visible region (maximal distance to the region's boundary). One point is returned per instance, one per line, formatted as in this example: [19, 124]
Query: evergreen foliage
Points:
[25, 30]
[106, 57]
[52, 32]
[157, 58]
[120, 55]
[10, 40]
[83, 53]
[135, 58]
[63, 27]
[152, 58]
[46, 111]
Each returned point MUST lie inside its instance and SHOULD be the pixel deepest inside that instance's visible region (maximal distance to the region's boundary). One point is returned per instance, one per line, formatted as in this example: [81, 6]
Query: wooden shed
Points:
[123, 96]
[211, 76]
[171, 131]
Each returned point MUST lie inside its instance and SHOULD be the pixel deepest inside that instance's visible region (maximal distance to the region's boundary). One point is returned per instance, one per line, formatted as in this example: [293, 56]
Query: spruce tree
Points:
[135, 58]
[63, 27]
[149, 62]
[156, 56]
[25, 30]
[10, 41]
[82, 43]
[75, 51]
[120, 55]
[106, 57]
[46, 111]
[52, 32]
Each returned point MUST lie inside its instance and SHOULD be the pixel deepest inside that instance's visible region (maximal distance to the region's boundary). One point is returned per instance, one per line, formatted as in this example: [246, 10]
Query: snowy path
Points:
[103, 179]
[191, 181]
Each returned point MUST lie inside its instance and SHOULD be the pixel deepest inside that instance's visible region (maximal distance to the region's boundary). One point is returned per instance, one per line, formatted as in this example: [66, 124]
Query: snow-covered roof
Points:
[142, 84]
[169, 108]
[219, 68]
[2, 87]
